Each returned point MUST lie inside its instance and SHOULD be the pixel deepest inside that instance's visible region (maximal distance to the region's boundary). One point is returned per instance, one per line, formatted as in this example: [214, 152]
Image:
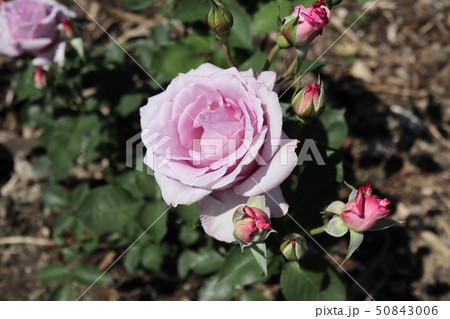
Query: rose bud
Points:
[294, 247]
[40, 77]
[251, 224]
[304, 25]
[309, 102]
[365, 210]
[67, 29]
[220, 19]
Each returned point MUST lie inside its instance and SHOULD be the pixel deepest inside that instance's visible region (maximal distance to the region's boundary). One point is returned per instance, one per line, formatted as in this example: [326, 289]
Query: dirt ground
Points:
[391, 73]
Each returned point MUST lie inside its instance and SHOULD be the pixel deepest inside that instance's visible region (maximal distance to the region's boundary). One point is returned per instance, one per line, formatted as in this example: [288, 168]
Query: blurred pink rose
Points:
[32, 26]
[216, 135]
[364, 211]
[311, 21]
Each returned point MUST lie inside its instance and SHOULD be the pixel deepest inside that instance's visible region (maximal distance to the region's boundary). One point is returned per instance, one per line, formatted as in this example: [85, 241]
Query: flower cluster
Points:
[31, 26]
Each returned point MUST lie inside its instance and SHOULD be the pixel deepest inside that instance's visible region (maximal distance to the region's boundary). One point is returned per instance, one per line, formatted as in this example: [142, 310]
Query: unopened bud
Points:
[220, 19]
[40, 77]
[309, 102]
[251, 224]
[294, 247]
[304, 25]
[67, 29]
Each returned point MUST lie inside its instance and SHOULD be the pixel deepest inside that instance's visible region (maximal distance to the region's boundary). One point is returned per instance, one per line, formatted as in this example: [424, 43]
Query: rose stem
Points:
[271, 56]
[226, 49]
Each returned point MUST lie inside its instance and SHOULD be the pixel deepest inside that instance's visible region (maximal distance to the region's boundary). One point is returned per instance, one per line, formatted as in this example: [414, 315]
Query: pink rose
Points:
[215, 136]
[32, 26]
[305, 24]
[364, 211]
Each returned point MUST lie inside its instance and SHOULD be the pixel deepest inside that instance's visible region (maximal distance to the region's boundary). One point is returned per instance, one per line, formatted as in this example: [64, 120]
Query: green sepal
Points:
[355, 241]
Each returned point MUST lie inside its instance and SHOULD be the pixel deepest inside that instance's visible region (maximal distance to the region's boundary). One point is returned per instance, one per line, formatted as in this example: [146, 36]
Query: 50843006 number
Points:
[406, 310]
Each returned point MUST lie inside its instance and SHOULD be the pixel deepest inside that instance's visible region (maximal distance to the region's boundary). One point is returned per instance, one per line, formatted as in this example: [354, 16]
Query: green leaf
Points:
[78, 194]
[107, 208]
[129, 103]
[52, 272]
[63, 292]
[207, 260]
[185, 262]
[152, 257]
[153, 216]
[385, 223]
[241, 32]
[87, 274]
[259, 252]
[203, 262]
[265, 19]
[190, 11]
[63, 223]
[138, 184]
[240, 269]
[255, 62]
[215, 289]
[187, 235]
[132, 259]
[182, 56]
[113, 53]
[315, 280]
[253, 295]
[311, 66]
[188, 213]
[355, 241]
[137, 5]
[54, 196]
[336, 127]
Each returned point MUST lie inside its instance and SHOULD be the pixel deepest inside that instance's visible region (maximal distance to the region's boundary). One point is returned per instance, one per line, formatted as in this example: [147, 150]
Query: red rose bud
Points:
[251, 224]
[309, 102]
[365, 210]
[294, 247]
[220, 19]
[304, 24]
[40, 77]
[67, 29]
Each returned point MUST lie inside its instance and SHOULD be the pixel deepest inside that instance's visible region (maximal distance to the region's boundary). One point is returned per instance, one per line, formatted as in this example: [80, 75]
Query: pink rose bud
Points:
[251, 224]
[309, 103]
[294, 247]
[304, 24]
[40, 77]
[67, 29]
[365, 210]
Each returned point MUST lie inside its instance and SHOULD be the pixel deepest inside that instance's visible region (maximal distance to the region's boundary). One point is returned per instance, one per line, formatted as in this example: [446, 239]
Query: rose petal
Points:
[269, 176]
[175, 193]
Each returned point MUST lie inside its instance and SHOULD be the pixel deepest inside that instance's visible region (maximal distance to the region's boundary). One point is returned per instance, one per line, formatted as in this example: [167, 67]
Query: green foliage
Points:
[63, 292]
[53, 272]
[107, 208]
[312, 280]
[137, 5]
[86, 275]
